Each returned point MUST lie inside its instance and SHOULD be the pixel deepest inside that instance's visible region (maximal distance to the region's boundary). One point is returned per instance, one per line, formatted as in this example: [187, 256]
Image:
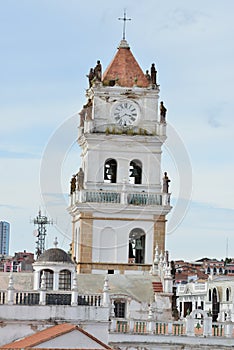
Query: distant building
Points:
[20, 262]
[4, 237]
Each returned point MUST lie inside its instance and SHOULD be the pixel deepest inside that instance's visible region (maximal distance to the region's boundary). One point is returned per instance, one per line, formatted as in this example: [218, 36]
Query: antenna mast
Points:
[41, 222]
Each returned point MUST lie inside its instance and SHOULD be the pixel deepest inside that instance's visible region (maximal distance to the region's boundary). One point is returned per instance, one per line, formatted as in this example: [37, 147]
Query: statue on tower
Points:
[98, 71]
[163, 112]
[166, 181]
[153, 74]
[73, 184]
[91, 76]
[148, 77]
[80, 179]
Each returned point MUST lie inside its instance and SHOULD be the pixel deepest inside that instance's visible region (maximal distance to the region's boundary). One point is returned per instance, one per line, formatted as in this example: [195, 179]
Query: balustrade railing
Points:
[144, 199]
[3, 297]
[102, 197]
[217, 329]
[91, 300]
[148, 327]
[123, 197]
[51, 298]
[26, 298]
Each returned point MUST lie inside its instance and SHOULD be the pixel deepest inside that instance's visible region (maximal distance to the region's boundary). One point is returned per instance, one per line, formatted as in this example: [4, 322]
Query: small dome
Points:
[55, 255]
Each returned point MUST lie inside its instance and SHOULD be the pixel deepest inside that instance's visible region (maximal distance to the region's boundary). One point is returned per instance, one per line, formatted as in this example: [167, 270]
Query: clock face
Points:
[125, 113]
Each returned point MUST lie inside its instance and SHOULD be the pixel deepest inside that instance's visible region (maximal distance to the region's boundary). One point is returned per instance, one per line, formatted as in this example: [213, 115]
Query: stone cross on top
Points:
[124, 19]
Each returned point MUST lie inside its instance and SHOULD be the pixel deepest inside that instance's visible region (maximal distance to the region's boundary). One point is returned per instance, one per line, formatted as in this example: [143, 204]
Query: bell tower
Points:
[118, 202]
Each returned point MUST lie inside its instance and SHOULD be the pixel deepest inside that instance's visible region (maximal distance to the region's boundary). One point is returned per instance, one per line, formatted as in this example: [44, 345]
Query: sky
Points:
[47, 48]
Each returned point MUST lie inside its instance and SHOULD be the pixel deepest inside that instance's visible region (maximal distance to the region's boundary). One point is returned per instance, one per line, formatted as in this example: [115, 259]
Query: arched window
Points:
[214, 270]
[227, 294]
[65, 280]
[49, 278]
[110, 171]
[208, 270]
[135, 172]
[209, 294]
[215, 305]
[136, 252]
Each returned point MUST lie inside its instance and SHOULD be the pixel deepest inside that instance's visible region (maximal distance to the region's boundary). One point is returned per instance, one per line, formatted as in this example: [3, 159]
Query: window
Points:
[110, 171]
[49, 278]
[209, 294]
[227, 294]
[135, 172]
[119, 309]
[136, 251]
[64, 280]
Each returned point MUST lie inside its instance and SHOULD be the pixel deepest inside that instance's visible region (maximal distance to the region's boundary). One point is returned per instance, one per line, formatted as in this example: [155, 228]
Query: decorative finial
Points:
[55, 242]
[124, 19]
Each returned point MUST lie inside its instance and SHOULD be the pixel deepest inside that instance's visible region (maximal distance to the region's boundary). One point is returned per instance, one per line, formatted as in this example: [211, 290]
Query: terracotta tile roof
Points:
[157, 287]
[48, 334]
[125, 68]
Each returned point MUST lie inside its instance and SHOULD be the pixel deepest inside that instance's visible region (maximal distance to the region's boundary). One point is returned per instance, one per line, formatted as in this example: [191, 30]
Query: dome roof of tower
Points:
[124, 69]
[55, 255]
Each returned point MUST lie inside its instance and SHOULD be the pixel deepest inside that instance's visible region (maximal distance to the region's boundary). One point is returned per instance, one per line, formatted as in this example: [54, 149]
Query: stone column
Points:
[42, 299]
[106, 297]
[150, 324]
[189, 326]
[74, 295]
[10, 291]
[228, 327]
[207, 326]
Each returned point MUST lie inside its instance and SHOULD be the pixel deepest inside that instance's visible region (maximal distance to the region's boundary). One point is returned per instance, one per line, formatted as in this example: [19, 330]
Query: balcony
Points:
[121, 197]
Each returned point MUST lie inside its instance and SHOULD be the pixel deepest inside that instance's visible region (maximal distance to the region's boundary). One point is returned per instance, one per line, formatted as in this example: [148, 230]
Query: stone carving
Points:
[95, 74]
[86, 112]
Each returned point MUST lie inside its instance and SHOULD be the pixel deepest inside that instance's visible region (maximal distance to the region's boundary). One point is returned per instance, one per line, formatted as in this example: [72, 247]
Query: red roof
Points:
[124, 69]
[48, 334]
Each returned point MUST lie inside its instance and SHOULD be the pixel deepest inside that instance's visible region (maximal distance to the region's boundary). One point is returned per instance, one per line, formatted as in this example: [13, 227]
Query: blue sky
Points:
[48, 47]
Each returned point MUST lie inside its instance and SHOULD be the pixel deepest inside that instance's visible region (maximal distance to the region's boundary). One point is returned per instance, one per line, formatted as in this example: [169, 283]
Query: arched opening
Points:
[209, 294]
[65, 280]
[110, 171]
[214, 270]
[215, 305]
[49, 278]
[208, 270]
[227, 294]
[136, 252]
[135, 172]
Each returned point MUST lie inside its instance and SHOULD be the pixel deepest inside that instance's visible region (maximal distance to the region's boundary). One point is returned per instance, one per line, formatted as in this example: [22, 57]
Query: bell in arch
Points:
[138, 245]
[110, 171]
[134, 172]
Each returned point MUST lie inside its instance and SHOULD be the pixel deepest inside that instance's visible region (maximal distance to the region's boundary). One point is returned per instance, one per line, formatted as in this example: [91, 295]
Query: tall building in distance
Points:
[4, 237]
